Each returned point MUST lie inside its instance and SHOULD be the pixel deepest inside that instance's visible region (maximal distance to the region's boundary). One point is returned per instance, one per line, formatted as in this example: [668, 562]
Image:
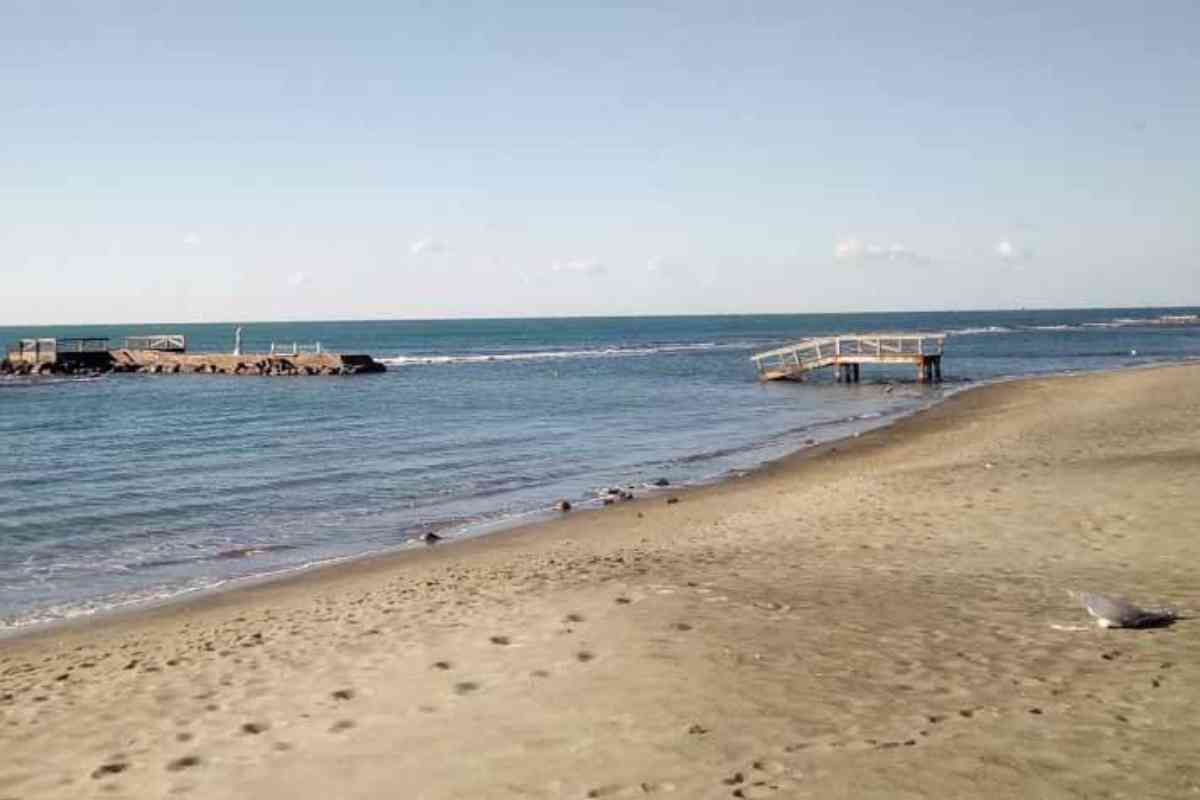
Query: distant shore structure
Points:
[166, 353]
[847, 353]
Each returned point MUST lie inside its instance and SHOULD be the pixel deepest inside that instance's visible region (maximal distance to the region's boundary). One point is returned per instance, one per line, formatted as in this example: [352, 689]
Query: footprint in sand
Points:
[180, 764]
[111, 768]
[763, 779]
[341, 725]
[584, 656]
[343, 694]
[573, 618]
[635, 790]
[442, 665]
[501, 640]
[465, 687]
[254, 728]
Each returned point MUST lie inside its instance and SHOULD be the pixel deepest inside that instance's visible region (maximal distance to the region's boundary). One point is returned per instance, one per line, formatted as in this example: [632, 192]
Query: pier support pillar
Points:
[937, 370]
[857, 374]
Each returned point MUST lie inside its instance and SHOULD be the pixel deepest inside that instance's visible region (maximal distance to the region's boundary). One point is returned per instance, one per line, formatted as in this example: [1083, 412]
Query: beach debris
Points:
[1116, 612]
[564, 506]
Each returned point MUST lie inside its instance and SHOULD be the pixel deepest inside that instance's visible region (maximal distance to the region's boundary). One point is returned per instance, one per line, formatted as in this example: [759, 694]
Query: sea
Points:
[124, 489]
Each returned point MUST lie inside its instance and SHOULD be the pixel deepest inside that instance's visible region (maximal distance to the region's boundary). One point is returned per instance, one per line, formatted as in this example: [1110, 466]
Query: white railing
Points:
[820, 352]
[295, 349]
[171, 342]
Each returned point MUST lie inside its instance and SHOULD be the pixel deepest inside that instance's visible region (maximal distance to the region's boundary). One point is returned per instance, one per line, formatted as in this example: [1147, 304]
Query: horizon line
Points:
[296, 321]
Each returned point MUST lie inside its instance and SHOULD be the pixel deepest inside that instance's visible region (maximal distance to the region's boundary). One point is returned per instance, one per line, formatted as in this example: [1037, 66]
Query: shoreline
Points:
[880, 616]
[522, 522]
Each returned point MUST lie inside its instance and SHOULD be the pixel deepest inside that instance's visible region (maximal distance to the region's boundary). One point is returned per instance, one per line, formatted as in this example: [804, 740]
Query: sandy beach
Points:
[885, 616]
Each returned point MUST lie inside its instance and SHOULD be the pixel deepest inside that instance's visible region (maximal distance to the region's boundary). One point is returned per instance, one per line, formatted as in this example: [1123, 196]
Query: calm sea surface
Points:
[128, 487]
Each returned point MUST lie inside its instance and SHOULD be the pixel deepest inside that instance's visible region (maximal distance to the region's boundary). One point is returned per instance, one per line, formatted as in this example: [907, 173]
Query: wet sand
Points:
[885, 617]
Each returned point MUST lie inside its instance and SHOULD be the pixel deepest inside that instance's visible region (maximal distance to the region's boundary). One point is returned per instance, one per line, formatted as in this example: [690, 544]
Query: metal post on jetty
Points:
[846, 354]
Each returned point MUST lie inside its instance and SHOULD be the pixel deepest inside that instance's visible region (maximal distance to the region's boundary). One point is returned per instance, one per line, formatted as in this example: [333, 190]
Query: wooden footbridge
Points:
[846, 354]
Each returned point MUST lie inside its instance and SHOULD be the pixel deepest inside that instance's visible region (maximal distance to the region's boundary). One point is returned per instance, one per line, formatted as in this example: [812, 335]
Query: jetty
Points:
[846, 354]
[167, 354]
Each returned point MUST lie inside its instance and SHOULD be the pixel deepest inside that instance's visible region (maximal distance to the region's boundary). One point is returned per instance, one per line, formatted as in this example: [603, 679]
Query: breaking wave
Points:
[1164, 321]
[550, 355]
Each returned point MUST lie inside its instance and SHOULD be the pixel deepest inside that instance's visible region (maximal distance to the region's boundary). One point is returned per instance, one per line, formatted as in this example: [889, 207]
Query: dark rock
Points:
[431, 538]
[564, 506]
[672, 501]
[660, 482]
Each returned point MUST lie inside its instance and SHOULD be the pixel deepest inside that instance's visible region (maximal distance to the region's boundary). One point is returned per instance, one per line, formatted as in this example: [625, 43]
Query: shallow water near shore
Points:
[128, 488]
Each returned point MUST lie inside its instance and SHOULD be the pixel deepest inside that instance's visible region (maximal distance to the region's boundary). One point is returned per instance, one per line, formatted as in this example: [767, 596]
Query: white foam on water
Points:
[548, 355]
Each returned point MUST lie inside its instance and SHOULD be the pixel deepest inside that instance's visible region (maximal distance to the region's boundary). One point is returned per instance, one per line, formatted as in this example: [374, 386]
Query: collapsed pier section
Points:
[846, 354]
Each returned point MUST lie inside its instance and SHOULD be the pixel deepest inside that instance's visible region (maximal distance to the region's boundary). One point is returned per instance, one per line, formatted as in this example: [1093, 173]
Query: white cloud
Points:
[854, 250]
[668, 268]
[297, 279]
[1008, 251]
[191, 239]
[583, 266]
[426, 247]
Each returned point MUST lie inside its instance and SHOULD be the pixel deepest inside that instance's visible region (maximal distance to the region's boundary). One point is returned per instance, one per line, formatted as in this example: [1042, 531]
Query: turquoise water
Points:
[129, 487]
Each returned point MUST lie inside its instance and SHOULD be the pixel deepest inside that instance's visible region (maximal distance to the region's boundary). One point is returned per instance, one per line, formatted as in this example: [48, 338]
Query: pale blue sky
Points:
[193, 161]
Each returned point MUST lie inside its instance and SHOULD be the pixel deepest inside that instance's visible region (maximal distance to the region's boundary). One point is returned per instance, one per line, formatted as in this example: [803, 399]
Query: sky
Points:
[212, 161]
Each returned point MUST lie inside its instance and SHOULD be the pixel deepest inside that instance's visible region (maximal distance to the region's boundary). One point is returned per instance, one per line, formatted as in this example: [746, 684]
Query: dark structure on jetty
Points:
[846, 354]
[167, 354]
